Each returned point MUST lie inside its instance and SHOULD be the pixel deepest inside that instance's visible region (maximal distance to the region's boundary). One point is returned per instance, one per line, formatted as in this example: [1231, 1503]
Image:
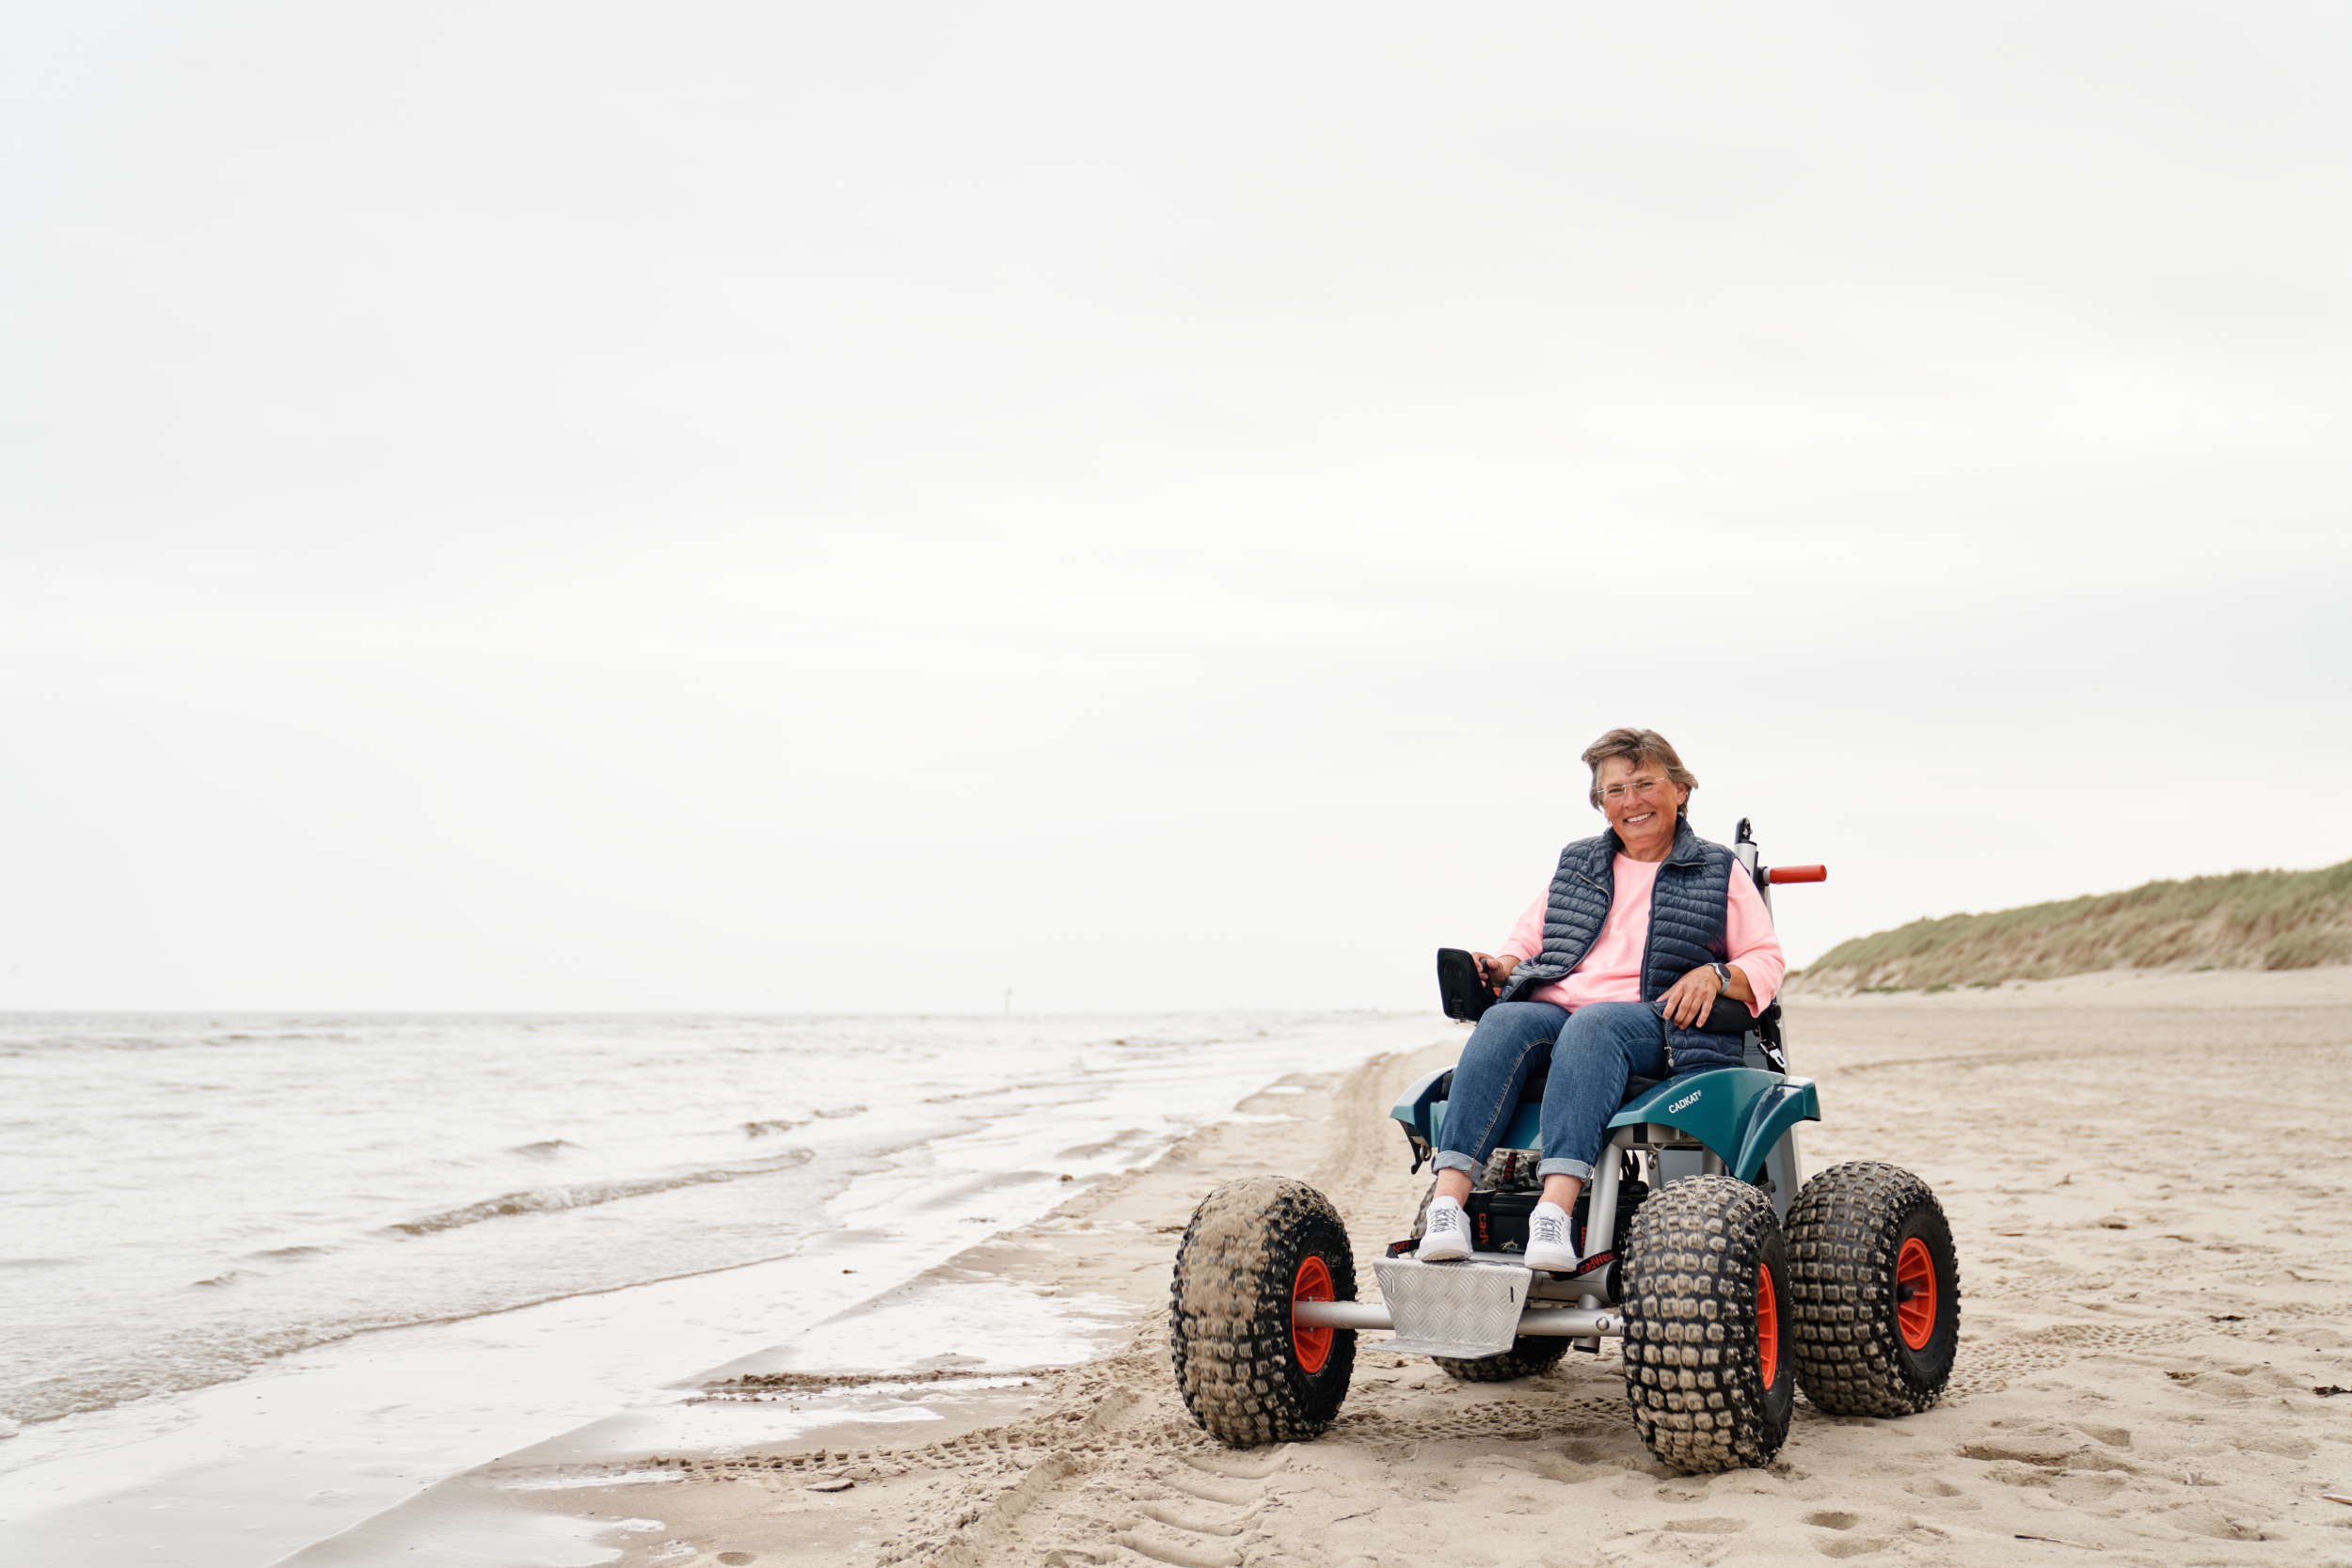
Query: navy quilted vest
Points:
[1687, 909]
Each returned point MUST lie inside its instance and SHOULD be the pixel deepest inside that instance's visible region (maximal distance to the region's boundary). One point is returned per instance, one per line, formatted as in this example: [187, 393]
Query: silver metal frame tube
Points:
[1563, 1322]
[1600, 1210]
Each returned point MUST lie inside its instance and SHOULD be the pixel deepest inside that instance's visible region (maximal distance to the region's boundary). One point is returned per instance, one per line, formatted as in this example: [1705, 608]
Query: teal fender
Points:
[1421, 1112]
[1737, 1112]
[1423, 1115]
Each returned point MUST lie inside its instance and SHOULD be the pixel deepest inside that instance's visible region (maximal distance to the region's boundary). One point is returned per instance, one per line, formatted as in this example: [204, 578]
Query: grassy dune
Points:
[2246, 920]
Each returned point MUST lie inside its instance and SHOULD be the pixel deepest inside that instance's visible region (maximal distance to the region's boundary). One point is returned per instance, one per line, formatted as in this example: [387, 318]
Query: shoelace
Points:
[1549, 1232]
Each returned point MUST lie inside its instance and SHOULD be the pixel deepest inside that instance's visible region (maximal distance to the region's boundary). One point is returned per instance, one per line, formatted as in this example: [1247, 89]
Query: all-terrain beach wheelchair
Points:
[1730, 1284]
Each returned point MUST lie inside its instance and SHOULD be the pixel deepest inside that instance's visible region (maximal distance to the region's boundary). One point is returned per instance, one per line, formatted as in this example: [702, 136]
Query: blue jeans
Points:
[1600, 1046]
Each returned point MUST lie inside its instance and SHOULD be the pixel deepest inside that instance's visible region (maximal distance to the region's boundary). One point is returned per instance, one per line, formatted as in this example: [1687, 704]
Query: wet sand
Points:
[2149, 1177]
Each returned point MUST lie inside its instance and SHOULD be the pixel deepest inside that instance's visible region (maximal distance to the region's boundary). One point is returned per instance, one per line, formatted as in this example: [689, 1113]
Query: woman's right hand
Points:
[1493, 969]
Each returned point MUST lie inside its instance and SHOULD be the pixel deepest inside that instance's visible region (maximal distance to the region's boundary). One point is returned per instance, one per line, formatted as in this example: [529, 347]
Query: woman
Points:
[1609, 974]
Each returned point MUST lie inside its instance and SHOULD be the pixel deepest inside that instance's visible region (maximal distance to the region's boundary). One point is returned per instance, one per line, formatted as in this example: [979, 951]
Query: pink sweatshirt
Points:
[1611, 971]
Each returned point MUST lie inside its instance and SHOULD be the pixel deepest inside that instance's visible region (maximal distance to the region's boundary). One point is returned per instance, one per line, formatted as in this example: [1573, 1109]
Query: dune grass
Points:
[2243, 920]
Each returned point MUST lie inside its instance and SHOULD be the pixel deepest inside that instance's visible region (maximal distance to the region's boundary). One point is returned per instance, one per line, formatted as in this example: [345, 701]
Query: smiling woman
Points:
[1607, 976]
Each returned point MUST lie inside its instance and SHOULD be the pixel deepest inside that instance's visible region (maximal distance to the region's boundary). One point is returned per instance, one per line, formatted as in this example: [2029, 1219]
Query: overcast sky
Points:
[869, 505]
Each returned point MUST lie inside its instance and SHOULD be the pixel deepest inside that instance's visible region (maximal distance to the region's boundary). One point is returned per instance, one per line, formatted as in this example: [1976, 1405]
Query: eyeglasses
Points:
[1640, 788]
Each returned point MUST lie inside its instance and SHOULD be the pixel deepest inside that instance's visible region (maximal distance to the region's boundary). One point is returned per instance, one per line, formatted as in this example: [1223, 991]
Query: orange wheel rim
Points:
[1312, 1345]
[1914, 1293]
[1767, 1327]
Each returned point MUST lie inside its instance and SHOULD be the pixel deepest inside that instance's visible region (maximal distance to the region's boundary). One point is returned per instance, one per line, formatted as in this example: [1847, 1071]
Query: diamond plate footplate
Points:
[1465, 1310]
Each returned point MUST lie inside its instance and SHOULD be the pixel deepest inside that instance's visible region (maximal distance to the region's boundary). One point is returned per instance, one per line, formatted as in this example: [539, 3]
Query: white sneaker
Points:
[1447, 1239]
[1549, 1243]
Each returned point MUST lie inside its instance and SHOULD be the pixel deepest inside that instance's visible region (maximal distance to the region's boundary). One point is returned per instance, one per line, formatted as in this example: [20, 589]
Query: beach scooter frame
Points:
[1730, 1285]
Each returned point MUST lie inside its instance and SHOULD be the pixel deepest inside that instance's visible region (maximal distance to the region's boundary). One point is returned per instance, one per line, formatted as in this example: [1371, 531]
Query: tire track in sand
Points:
[1154, 1488]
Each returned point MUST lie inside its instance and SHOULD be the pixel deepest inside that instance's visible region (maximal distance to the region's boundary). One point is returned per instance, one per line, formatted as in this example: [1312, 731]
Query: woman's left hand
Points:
[1690, 998]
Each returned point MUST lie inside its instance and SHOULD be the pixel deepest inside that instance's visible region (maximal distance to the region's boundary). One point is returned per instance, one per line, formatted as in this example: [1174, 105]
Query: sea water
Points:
[190, 1200]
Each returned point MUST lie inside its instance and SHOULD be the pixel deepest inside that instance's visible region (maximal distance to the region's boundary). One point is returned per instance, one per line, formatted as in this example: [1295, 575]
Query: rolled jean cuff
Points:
[1581, 1169]
[1447, 1159]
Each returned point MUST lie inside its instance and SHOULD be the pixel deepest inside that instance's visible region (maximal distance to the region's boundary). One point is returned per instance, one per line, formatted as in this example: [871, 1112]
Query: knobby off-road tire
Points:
[1707, 1325]
[1530, 1356]
[1247, 1373]
[1877, 1290]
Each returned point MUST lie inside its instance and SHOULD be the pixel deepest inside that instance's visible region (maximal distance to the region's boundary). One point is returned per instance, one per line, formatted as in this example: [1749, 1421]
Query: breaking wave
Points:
[541, 1200]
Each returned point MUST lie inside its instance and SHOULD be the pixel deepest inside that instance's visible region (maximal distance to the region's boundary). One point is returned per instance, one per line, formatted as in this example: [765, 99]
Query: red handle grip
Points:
[1797, 874]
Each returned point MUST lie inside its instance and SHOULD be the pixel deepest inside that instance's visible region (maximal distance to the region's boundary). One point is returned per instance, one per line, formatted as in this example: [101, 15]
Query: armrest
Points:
[1728, 1017]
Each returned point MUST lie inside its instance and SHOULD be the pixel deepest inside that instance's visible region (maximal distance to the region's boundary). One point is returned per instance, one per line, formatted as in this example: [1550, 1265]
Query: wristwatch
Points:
[1723, 973]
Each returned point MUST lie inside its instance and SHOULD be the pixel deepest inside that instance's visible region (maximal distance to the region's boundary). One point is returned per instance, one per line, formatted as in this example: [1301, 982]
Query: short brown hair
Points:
[1638, 747]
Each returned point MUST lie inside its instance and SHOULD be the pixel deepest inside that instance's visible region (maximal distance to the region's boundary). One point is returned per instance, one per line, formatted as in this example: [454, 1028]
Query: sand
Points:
[2147, 1176]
